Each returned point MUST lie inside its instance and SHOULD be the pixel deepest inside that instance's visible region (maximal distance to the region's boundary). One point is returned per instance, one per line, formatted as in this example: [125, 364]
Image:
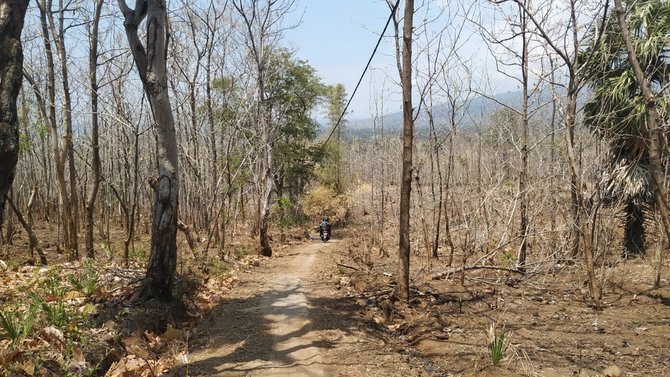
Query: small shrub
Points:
[140, 254]
[86, 280]
[17, 328]
[55, 313]
[107, 248]
[53, 284]
[241, 251]
[497, 343]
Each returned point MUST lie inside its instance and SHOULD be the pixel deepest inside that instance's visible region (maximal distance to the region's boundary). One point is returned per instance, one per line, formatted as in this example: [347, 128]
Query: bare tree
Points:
[566, 46]
[262, 28]
[150, 60]
[58, 30]
[95, 169]
[407, 146]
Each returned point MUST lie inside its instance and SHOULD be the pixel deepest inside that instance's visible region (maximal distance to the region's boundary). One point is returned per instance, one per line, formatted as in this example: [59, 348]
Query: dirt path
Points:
[264, 329]
[288, 318]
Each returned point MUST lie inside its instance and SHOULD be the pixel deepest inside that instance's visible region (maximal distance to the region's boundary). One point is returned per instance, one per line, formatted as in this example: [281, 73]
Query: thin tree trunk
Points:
[407, 147]
[66, 147]
[523, 174]
[95, 168]
[33, 243]
[59, 157]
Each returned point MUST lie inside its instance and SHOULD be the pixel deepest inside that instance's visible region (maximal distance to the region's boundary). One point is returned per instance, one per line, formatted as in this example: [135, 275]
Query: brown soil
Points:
[299, 314]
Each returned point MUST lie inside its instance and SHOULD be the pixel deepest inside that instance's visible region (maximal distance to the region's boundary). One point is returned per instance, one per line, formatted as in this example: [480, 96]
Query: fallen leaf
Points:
[88, 309]
[28, 367]
[51, 334]
[171, 333]
[150, 337]
[73, 295]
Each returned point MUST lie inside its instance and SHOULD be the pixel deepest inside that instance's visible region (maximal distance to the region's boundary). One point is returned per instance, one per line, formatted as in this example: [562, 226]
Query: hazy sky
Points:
[337, 38]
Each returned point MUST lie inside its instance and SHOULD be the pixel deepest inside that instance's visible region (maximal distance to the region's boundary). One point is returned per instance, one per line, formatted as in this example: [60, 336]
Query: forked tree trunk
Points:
[48, 110]
[12, 14]
[151, 65]
[71, 210]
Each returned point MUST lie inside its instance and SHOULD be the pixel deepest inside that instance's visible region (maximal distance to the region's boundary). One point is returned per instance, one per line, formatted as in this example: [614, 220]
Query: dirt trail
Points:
[265, 328]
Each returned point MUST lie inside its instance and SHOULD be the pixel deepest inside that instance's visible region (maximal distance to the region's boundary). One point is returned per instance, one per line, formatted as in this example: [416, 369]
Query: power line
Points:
[381, 36]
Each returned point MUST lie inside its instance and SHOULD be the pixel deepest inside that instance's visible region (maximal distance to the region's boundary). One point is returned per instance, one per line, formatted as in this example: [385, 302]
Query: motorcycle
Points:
[325, 234]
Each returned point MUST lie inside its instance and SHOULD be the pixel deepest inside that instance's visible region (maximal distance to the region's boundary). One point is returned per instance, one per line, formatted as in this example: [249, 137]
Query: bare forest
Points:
[501, 211]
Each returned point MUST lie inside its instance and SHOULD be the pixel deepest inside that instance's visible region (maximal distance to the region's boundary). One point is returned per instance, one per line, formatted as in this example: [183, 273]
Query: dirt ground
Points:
[328, 309]
[302, 314]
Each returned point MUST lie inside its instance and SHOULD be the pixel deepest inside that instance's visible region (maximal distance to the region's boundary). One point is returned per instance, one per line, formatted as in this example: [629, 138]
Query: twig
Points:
[345, 266]
[442, 275]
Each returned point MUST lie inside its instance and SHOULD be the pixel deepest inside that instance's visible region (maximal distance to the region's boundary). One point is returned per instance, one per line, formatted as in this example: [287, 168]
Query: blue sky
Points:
[337, 38]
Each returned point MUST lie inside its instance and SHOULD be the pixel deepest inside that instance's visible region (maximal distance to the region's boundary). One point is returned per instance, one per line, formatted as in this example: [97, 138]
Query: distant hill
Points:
[479, 108]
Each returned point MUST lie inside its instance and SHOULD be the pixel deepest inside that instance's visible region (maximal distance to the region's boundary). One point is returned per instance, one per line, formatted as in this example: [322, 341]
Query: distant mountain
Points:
[479, 108]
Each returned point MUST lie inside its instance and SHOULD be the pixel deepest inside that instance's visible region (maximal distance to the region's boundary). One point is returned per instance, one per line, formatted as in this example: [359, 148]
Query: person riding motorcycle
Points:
[325, 225]
[324, 229]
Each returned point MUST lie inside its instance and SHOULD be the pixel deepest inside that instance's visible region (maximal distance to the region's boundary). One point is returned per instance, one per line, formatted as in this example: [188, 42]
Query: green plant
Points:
[86, 280]
[53, 284]
[217, 267]
[241, 251]
[17, 328]
[107, 248]
[55, 313]
[497, 343]
[140, 253]
[508, 258]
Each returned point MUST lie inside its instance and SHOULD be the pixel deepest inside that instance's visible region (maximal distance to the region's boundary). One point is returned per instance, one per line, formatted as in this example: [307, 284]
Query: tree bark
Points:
[12, 14]
[523, 174]
[407, 145]
[67, 146]
[634, 230]
[151, 65]
[95, 168]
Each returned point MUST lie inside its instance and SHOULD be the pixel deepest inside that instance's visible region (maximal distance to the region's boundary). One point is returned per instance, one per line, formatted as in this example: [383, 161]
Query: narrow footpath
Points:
[264, 328]
[288, 318]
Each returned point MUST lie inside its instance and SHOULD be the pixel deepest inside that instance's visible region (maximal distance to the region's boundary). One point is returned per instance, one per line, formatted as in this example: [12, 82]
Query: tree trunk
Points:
[266, 248]
[12, 14]
[407, 145]
[67, 146]
[95, 168]
[151, 66]
[523, 174]
[633, 230]
[33, 243]
[50, 117]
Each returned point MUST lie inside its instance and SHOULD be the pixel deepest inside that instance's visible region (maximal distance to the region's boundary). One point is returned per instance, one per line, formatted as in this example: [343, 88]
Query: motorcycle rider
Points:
[325, 225]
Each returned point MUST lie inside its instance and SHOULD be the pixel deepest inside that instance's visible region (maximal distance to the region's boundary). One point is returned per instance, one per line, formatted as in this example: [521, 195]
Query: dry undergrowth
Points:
[550, 326]
[83, 318]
